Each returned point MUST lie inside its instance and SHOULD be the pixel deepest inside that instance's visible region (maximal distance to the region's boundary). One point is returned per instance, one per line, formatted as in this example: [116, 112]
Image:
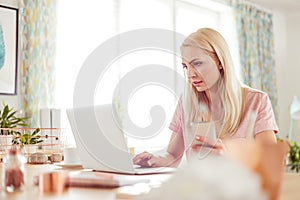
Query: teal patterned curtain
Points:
[37, 38]
[256, 44]
[2, 48]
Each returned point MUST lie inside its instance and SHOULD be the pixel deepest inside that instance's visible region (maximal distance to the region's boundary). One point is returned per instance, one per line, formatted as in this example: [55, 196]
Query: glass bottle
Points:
[13, 170]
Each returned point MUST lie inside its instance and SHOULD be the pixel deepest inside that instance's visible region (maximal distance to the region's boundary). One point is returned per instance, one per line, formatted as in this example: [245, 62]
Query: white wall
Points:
[280, 42]
[12, 100]
[292, 72]
[287, 42]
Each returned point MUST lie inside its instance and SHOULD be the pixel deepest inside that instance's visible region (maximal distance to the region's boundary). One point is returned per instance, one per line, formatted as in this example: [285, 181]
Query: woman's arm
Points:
[175, 150]
[172, 157]
[266, 137]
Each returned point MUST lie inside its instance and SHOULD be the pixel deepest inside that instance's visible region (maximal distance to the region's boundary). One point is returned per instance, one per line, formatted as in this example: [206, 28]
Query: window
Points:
[82, 26]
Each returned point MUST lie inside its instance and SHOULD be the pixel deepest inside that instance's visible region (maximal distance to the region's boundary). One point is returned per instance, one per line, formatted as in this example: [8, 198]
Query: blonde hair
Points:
[230, 88]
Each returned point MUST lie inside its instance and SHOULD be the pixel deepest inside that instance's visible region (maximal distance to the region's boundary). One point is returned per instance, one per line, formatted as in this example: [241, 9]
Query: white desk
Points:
[290, 188]
[32, 192]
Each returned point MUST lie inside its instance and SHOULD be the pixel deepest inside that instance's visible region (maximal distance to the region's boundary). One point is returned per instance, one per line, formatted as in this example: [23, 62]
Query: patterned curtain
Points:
[256, 44]
[37, 39]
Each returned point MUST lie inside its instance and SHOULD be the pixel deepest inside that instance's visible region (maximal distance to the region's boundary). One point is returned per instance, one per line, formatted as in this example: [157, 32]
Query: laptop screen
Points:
[99, 138]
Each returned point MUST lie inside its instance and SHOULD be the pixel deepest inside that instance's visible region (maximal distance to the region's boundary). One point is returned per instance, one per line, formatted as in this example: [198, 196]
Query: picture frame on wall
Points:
[8, 50]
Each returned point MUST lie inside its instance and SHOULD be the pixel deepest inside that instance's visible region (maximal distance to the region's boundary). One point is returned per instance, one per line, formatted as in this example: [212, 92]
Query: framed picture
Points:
[8, 50]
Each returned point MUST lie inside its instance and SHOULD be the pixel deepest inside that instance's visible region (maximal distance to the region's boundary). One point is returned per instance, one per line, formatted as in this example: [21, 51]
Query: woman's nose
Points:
[191, 72]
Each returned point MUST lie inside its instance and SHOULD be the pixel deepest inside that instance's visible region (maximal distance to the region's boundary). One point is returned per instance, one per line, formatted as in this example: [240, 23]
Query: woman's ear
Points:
[219, 64]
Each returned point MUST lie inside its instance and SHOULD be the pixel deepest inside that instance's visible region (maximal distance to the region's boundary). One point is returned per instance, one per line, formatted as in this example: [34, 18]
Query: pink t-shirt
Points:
[256, 101]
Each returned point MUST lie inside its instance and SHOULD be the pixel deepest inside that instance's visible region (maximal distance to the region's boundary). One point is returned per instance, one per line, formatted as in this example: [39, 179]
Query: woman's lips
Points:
[197, 83]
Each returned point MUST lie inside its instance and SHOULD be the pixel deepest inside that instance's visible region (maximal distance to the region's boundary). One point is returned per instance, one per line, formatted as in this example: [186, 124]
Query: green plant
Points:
[27, 138]
[294, 156]
[8, 119]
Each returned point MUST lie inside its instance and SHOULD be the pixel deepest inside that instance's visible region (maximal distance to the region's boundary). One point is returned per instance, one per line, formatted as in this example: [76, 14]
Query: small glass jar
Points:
[13, 170]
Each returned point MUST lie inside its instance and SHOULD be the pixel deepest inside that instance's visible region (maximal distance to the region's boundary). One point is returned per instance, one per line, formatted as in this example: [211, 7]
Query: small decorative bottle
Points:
[13, 170]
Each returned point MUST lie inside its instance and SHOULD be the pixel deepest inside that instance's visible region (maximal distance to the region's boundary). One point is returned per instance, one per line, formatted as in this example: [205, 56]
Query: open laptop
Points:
[101, 145]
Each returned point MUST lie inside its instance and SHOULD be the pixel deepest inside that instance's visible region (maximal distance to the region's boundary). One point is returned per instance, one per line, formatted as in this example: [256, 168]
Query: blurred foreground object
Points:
[13, 170]
[213, 178]
[248, 170]
[267, 161]
[53, 182]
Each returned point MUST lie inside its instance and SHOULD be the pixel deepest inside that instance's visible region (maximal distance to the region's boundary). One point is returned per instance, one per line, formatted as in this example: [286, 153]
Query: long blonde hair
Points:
[230, 88]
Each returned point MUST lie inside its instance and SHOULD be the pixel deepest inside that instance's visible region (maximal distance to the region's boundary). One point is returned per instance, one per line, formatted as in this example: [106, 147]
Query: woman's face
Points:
[201, 69]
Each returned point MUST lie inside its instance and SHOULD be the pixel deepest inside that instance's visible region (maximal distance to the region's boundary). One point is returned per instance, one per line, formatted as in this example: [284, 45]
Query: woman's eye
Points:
[184, 66]
[197, 64]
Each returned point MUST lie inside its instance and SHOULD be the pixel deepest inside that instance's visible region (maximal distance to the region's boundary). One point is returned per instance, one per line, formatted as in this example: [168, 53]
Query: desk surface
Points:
[289, 191]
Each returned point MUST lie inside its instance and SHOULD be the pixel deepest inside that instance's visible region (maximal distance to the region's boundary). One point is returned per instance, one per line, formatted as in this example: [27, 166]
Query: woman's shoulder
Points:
[255, 95]
[252, 92]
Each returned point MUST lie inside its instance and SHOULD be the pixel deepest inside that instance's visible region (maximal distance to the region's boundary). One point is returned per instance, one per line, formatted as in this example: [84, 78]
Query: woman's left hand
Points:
[203, 143]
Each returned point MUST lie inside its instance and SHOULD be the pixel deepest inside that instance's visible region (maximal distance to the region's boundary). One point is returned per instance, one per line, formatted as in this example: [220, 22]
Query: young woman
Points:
[216, 95]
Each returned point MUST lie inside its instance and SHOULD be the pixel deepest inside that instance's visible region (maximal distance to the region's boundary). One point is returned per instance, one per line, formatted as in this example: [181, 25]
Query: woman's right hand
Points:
[204, 145]
[145, 159]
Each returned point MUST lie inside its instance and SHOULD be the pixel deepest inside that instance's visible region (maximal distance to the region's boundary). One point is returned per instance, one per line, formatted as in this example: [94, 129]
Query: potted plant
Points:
[27, 140]
[8, 119]
[294, 157]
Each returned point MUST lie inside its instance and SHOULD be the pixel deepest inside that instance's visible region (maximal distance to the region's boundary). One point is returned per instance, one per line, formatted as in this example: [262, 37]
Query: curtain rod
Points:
[226, 2]
[258, 6]
[232, 2]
